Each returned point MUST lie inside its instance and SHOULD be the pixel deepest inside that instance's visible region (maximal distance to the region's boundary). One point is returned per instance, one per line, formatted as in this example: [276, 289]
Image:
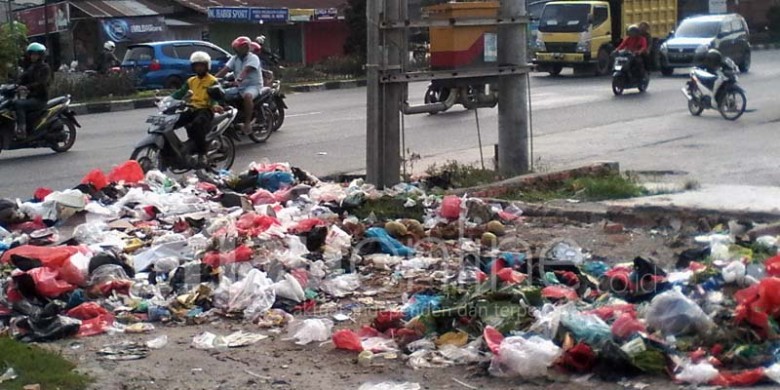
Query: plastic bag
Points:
[53, 257]
[735, 272]
[96, 325]
[274, 181]
[773, 372]
[390, 386]
[772, 265]
[107, 273]
[420, 304]
[388, 244]
[579, 358]
[587, 327]
[675, 314]
[697, 374]
[306, 331]
[493, 338]
[740, 378]
[522, 357]
[96, 178]
[341, 285]
[158, 342]
[76, 269]
[129, 172]
[253, 295]
[559, 292]
[86, 311]
[47, 282]
[450, 207]
[548, 319]
[240, 254]
[289, 288]
[347, 340]
[626, 325]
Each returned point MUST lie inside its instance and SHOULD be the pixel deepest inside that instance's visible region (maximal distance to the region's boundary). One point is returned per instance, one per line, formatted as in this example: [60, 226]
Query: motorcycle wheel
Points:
[222, 153]
[262, 131]
[644, 84]
[436, 95]
[64, 146]
[695, 107]
[278, 117]
[732, 104]
[618, 85]
[148, 157]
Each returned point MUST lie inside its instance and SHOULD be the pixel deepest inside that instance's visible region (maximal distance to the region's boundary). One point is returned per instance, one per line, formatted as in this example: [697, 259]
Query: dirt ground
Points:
[277, 364]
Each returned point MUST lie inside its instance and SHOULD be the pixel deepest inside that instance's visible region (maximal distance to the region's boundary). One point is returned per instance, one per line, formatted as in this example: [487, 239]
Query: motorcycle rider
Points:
[198, 119]
[636, 44]
[35, 81]
[107, 59]
[246, 66]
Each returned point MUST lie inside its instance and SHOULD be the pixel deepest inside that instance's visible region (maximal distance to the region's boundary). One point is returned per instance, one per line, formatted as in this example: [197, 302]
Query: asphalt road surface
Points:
[575, 120]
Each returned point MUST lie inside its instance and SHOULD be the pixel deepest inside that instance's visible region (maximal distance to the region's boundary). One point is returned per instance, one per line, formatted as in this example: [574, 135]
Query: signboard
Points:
[491, 47]
[718, 7]
[326, 13]
[140, 29]
[248, 14]
[301, 15]
[34, 19]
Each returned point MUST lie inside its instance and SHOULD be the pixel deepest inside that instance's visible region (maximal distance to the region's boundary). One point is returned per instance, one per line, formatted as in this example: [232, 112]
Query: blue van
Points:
[167, 64]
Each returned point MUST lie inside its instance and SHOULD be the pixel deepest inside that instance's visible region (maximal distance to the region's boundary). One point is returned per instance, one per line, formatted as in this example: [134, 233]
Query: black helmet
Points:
[634, 30]
[216, 92]
[713, 59]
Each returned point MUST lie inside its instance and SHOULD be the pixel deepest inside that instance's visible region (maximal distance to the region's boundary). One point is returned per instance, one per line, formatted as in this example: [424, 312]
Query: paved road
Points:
[575, 120]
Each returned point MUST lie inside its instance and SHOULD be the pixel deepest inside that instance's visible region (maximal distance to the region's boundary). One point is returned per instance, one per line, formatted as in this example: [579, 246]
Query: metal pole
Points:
[513, 124]
[373, 57]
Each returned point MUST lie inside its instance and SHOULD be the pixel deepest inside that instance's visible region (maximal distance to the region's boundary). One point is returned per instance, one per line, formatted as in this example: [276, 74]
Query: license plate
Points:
[156, 119]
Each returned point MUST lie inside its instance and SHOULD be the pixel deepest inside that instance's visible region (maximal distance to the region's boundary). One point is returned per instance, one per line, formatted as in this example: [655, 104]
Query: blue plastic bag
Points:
[274, 181]
[387, 244]
[419, 304]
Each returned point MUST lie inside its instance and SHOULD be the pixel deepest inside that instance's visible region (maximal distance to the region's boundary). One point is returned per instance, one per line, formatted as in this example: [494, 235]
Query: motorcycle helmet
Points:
[255, 47]
[713, 59]
[260, 40]
[36, 47]
[200, 57]
[633, 30]
[110, 46]
[240, 44]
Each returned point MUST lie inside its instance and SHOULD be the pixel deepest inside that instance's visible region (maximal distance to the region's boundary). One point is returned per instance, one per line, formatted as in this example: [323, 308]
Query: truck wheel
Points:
[667, 71]
[556, 70]
[602, 63]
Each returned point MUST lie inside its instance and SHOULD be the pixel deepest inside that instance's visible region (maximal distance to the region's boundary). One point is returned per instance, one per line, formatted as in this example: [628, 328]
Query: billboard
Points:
[139, 29]
[34, 18]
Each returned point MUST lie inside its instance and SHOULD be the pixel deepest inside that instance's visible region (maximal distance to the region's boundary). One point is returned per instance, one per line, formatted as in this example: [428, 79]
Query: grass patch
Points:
[592, 189]
[386, 207]
[453, 174]
[36, 365]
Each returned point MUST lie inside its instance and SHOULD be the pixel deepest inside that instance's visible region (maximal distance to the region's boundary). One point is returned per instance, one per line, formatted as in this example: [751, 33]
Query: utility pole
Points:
[513, 108]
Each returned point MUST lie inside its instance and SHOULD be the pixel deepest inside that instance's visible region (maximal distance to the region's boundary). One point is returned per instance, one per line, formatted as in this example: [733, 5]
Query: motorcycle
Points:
[261, 131]
[276, 104]
[624, 76]
[716, 91]
[163, 150]
[53, 127]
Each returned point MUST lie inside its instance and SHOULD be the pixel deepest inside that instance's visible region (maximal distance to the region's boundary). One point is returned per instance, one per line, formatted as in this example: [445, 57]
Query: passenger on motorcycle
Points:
[644, 30]
[198, 119]
[34, 81]
[246, 66]
[637, 45]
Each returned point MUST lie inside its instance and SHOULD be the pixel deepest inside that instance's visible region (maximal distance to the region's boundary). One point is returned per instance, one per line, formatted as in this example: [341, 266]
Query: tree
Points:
[355, 16]
[13, 38]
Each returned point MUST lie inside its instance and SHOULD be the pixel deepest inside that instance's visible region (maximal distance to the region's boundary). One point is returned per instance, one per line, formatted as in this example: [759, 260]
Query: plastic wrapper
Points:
[306, 331]
[675, 314]
[697, 374]
[587, 327]
[527, 358]
[773, 372]
[341, 286]
[462, 355]
[107, 273]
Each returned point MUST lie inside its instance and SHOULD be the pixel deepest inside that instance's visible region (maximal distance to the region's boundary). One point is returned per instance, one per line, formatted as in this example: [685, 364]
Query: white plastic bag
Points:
[734, 272]
[390, 386]
[158, 342]
[306, 331]
[773, 372]
[341, 285]
[289, 288]
[522, 357]
[697, 373]
[674, 314]
[253, 295]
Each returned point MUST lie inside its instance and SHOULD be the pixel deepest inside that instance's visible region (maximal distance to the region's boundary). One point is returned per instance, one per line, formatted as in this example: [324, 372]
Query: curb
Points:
[112, 106]
[329, 85]
[766, 46]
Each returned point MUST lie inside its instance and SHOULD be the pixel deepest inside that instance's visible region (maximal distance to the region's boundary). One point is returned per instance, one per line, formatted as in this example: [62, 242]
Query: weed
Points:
[386, 207]
[597, 188]
[36, 365]
[453, 174]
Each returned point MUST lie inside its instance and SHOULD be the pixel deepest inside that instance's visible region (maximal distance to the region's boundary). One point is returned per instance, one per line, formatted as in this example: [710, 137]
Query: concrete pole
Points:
[513, 99]
[373, 101]
[394, 47]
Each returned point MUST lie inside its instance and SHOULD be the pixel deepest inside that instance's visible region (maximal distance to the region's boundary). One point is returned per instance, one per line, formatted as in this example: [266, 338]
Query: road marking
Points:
[304, 114]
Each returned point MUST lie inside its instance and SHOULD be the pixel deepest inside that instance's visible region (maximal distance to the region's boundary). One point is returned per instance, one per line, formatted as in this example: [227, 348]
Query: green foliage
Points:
[83, 87]
[13, 38]
[36, 365]
[349, 66]
[453, 174]
[589, 188]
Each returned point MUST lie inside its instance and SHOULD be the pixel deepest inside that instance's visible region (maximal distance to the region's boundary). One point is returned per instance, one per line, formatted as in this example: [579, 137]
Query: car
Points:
[167, 64]
[728, 33]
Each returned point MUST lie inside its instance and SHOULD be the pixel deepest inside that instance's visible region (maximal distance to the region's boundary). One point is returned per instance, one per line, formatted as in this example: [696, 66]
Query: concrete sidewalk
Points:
[732, 199]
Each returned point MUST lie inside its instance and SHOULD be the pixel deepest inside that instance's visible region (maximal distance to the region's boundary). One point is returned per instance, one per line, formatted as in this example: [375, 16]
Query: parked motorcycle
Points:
[261, 130]
[716, 91]
[625, 74]
[163, 150]
[53, 127]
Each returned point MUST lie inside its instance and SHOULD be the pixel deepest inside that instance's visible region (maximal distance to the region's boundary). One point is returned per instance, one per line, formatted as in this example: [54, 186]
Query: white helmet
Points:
[260, 39]
[200, 57]
[110, 46]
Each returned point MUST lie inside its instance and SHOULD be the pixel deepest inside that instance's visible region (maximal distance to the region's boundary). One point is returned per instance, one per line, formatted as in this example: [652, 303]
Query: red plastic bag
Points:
[607, 313]
[96, 178]
[262, 197]
[54, 257]
[306, 225]
[241, 254]
[129, 172]
[367, 331]
[493, 338]
[579, 358]
[450, 207]
[772, 266]
[741, 378]
[626, 325]
[41, 193]
[29, 226]
[86, 311]
[348, 340]
[95, 326]
[386, 320]
[47, 283]
[508, 275]
[253, 225]
[559, 292]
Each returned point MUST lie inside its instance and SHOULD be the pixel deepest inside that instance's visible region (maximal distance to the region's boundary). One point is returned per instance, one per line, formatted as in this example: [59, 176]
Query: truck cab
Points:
[582, 34]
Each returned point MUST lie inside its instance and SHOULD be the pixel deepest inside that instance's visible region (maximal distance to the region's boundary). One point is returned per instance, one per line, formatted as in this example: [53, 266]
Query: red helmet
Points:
[255, 47]
[241, 41]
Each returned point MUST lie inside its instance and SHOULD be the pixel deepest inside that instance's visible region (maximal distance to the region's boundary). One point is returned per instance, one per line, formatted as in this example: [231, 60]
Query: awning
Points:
[119, 8]
[177, 23]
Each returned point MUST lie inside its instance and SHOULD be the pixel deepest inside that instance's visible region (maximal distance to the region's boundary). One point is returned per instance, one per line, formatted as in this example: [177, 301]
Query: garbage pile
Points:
[445, 278]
